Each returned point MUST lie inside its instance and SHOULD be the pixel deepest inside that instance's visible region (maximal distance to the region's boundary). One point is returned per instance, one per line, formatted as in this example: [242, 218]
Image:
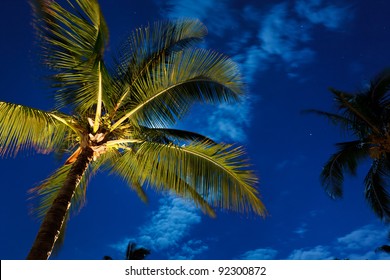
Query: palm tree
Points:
[119, 117]
[384, 248]
[366, 116]
[133, 252]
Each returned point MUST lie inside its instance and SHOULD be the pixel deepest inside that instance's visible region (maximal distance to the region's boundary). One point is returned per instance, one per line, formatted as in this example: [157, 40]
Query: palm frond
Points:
[376, 192]
[70, 36]
[168, 90]
[347, 157]
[380, 87]
[357, 109]
[218, 173]
[341, 120]
[22, 127]
[191, 193]
[73, 42]
[168, 135]
[109, 161]
[127, 166]
[47, 191]
[145, 47]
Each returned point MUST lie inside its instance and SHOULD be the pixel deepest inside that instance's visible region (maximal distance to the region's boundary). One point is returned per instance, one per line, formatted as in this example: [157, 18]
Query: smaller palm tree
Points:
[384, 248]
[133, 252]
[366, 116]
[136, 253]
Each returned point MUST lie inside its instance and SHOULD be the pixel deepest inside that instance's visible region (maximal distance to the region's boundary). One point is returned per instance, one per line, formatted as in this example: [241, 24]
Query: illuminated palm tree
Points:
[118, 117]
[366, 116]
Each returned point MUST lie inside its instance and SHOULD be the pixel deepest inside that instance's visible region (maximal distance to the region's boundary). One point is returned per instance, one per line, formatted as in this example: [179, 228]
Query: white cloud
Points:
[259, 254]
[331, 16]
[190, 250]
[360, 244]
[253, 60]
[282, 36]
[316, 253]
[166, 230]
[169, 224]
[367, 237]
[227, 122]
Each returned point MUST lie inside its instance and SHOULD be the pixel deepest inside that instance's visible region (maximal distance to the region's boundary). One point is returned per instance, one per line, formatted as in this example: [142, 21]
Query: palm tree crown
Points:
[366, 116]
[133, 252]
[119, 117]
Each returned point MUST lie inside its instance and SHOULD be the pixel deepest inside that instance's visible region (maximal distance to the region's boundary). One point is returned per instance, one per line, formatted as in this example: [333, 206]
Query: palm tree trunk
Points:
[55, 216]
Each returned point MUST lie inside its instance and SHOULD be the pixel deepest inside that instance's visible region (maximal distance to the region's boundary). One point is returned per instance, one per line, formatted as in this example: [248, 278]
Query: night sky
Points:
[290, 52]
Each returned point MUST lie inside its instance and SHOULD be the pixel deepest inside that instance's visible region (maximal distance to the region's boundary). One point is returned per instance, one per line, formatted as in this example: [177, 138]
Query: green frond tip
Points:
[73, 40]
[146, 45]
[22, 127]
[183, 78]
[219, 173]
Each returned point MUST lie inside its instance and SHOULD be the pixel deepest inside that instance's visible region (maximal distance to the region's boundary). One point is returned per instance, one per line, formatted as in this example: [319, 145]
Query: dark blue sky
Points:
[290, 52]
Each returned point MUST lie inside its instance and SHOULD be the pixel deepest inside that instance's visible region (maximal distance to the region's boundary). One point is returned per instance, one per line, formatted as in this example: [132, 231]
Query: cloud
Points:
[301, 230]
[202, 9]
[258, 37]
[367, 237]
[359, 244]
[282, 36]
[165, 232]
[259, 254]
[227, 121]
[331, 16]
[316, 253]
[190, 250]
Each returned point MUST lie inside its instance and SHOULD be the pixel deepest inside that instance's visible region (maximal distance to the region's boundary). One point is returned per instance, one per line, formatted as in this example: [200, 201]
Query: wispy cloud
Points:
[259, 254]
[282, 36]
[318, 12]
[366, 237]
[228, 121]
[258, 38]
[202, 9]
[316, 253]
[167, 229]
[359, 244]
[190, 250]
[301, 230]
[169, 224]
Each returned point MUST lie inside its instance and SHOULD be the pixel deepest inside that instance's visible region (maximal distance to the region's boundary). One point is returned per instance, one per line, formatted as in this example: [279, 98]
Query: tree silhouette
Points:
[133, 253]
[366, 116]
